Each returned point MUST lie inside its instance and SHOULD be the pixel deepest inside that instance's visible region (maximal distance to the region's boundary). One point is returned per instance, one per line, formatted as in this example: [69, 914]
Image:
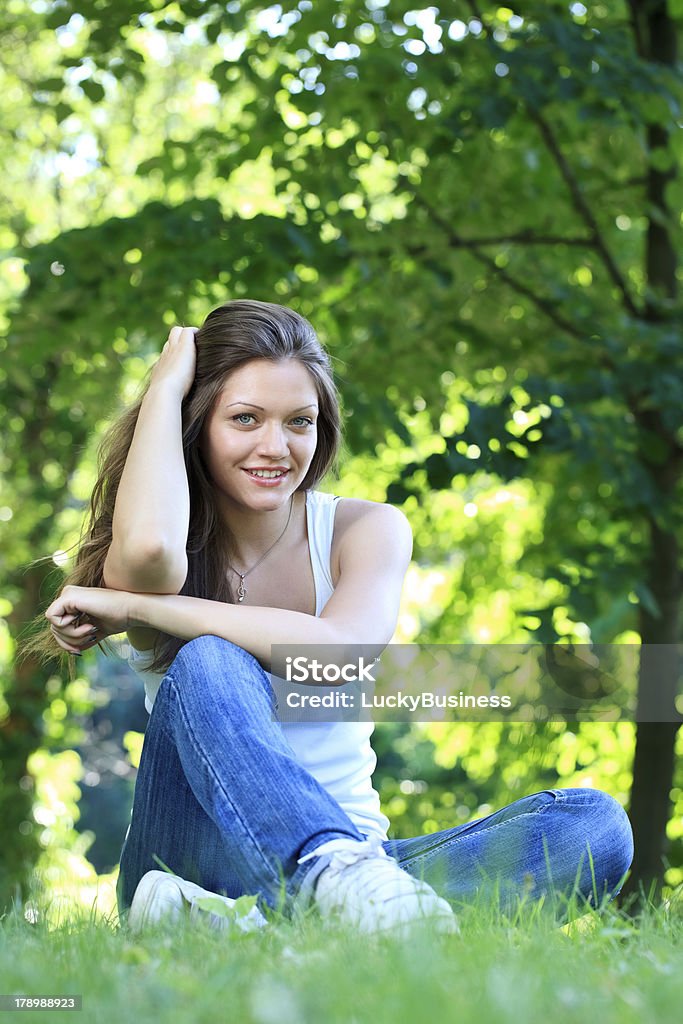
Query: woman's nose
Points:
[273, 441]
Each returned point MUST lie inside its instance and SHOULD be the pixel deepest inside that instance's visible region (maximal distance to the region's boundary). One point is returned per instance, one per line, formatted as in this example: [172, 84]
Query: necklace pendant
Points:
[242, 590]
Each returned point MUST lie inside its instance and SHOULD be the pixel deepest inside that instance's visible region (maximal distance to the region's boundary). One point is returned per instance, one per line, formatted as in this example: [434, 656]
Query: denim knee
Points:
[208, 644]
[219, 660]
[603, 824]
[214, 649]
[618, 828]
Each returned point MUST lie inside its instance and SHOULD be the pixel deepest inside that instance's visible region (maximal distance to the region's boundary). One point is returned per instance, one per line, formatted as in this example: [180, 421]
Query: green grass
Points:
[600, 968]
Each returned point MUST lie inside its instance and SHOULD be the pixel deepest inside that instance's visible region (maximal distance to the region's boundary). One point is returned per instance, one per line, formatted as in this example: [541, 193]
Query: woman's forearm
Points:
[254, 629]
[152, 511]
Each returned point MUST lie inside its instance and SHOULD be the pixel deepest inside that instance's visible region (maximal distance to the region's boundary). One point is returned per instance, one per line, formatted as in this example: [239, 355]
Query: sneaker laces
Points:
[347, 851]
[377, 882]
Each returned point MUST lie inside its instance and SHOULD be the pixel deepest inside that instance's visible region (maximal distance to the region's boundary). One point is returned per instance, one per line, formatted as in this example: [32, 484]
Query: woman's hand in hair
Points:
[105, 612]
[178, 360]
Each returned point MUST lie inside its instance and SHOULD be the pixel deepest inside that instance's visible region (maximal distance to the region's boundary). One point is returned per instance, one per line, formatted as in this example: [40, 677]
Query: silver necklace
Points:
[242, 590]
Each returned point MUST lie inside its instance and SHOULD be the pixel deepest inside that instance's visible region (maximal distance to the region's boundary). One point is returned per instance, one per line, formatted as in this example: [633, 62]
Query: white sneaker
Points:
[364, 887]
[161, 895]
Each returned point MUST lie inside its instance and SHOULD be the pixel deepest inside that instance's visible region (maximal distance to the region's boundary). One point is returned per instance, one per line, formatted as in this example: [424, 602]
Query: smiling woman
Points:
[209, 543]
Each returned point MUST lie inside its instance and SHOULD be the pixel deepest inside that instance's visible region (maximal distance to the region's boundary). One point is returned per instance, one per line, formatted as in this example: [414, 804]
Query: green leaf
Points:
[62, 111]
[50, 85]
[241, 907]
[93, 90]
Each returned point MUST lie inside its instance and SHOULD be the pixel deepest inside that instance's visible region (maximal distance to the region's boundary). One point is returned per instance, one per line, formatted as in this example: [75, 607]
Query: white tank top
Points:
[337, 754]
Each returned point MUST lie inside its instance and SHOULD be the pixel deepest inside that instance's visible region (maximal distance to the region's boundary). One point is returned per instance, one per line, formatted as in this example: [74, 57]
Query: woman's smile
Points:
[267, 477]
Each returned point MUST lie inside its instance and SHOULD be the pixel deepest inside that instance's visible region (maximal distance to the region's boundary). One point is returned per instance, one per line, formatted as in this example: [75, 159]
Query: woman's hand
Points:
[178, 360]
[106, 611]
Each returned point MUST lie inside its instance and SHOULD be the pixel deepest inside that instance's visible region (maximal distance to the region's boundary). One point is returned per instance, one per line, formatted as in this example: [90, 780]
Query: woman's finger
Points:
[70, 632]
[59, 612]
[68, 647]
[76, 646]
[84, 629]
[76, 635]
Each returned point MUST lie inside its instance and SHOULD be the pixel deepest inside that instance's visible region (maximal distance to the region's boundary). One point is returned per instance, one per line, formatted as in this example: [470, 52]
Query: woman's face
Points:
[260, 437]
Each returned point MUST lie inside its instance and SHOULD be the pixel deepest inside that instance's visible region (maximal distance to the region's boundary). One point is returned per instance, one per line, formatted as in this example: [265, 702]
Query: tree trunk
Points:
[653, 765]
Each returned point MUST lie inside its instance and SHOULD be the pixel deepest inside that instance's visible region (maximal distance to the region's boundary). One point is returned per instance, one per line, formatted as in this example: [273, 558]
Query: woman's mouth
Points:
[267, 477]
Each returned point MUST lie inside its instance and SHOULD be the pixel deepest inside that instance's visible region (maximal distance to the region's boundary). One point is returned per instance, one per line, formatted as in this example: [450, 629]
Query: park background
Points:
[478, 207]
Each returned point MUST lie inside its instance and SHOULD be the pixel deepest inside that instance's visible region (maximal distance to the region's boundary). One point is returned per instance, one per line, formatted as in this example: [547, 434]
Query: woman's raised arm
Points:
[374, 556]
[152, 511]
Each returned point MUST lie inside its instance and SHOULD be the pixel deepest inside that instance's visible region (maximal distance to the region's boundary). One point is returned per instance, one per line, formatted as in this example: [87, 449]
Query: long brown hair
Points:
[232, 335]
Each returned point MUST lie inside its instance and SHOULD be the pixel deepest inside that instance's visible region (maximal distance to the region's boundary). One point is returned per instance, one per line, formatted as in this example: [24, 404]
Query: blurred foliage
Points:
[133, 744]
[477, 210]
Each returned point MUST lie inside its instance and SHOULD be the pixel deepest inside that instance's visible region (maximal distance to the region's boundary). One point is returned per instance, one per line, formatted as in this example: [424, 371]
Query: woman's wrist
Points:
[165, 387]
[138, 610]
[171, 613]
[166, 612]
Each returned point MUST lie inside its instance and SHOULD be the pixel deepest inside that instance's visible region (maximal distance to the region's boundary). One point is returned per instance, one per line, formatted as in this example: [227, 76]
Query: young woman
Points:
[208, 543]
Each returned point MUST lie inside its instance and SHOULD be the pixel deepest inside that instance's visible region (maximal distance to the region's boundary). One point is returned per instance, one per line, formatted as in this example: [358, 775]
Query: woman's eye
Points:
[246, 419]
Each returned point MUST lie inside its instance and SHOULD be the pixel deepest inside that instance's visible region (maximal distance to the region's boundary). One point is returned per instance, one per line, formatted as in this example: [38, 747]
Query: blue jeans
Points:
[221, 800]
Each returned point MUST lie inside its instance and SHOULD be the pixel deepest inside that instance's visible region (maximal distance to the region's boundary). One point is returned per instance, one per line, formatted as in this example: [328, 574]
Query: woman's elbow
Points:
[152, 570]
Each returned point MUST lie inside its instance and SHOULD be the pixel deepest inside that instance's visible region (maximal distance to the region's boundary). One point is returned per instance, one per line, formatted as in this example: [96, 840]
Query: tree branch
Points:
[543, 304]
[525, 237]
[582, 208]
[580, 204]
